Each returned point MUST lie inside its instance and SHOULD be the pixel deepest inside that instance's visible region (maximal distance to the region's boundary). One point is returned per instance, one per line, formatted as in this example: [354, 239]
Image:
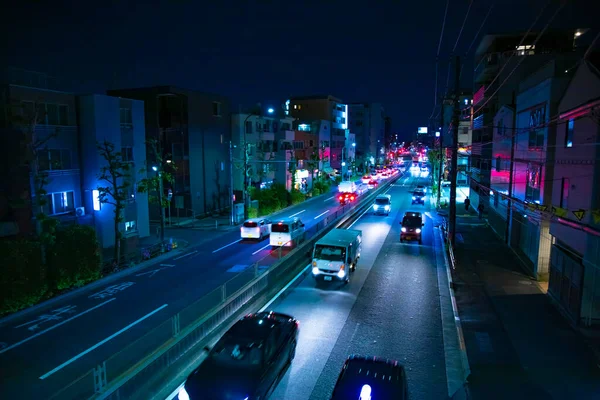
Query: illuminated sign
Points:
[479, 95]
[302, 174]
[96, 200]
[422, 130]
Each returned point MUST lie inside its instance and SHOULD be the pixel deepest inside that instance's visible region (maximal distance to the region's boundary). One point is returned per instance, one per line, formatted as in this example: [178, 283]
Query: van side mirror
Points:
[302, 225]
[206, 349]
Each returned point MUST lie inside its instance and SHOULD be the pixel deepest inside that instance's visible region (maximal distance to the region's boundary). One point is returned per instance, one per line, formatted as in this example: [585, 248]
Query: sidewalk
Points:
[518, 345]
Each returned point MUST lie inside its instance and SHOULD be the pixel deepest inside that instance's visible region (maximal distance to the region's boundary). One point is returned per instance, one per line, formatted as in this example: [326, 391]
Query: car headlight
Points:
[387, 208]
[315, 271]
[183, 394]
[403, 229]
[341, 274]
[375, 207]
[418, 230]
[414, 198]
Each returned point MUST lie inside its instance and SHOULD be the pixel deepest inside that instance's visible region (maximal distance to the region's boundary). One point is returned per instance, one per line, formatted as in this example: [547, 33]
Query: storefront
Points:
[303, 180]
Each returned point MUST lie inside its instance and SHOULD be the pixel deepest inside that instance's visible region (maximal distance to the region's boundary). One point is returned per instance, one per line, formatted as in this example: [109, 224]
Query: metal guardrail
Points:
[449, 246]
[137, 365]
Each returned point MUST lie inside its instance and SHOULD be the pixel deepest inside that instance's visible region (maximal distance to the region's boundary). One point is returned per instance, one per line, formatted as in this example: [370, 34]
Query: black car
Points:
[247, 362]
[412, 225]
[371, 378]
[418, 197]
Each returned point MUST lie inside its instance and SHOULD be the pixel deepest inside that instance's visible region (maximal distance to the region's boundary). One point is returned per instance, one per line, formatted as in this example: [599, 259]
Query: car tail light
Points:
[352, 198]
[297, 323]
[341, 197]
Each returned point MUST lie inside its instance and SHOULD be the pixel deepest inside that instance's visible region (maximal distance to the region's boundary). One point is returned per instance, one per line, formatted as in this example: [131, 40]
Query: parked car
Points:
[248, 361]
[371, 378]
[255, 228]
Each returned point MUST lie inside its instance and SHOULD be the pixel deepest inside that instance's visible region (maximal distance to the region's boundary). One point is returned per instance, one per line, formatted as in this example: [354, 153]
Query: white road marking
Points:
[226, 246]
[111, 290]
[332, 197]
[185, 255]
[54, 326]
[320, 215]
[359, 217]
[154, 271]
[286, 287]
[261, 249]
[53, 316]
[298, 213]
[94, 347]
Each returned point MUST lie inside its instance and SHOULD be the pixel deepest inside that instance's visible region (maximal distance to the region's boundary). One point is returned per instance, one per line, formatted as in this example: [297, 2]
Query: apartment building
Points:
[502, 61]
[194, 130]
[367, 122]
[67, 126]
[306, 109]
[575, 228]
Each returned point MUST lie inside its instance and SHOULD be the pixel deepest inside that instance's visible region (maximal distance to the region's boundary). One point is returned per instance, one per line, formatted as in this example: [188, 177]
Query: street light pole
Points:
[246, 172]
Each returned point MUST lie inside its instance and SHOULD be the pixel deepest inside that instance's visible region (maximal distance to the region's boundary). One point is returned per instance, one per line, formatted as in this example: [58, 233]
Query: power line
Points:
[477, 34]
[437, 58]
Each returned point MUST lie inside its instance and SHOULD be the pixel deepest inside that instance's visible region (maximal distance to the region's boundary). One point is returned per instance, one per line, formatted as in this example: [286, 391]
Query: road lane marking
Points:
[320, 215]
[154, 271]
[261, 249]
[111, 290]
[298, 213]
[185, 255]
[286, 287]
[54, 326]
[94, 347]
[332, 197]
[54, 315]
[227, 245]
[359, 217]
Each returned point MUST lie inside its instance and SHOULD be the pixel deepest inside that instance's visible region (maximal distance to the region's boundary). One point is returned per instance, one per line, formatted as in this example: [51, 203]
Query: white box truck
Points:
[335, 255]
[347, 187]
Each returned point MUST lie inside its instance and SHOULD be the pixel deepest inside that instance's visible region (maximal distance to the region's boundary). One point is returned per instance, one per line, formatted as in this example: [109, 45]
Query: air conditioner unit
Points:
[80, 211]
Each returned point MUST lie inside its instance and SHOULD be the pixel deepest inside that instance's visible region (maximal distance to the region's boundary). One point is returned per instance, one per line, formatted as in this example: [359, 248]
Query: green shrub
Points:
[22, 276]
[297, 197]
[338, 180]
[316, 192]
[75, 258]
[322, 186]
[253, 212]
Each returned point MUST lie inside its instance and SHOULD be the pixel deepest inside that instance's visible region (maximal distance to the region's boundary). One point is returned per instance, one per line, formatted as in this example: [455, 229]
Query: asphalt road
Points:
[391, 309]
[42, 353]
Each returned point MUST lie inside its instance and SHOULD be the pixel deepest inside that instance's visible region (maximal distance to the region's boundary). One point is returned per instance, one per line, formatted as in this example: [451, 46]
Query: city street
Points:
[390, 309]
[43, 352]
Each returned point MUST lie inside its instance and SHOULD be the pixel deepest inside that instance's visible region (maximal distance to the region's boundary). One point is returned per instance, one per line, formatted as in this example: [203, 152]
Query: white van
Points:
[335, 255]
[255, 228]
[347, 187]
[287, 232]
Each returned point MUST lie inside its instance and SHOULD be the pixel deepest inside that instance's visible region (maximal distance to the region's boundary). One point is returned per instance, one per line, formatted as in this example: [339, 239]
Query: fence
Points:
[449, 246]
[142, 363]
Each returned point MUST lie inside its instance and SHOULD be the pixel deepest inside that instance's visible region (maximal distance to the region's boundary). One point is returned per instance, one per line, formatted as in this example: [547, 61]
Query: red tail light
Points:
[341, 197]
[352, 198]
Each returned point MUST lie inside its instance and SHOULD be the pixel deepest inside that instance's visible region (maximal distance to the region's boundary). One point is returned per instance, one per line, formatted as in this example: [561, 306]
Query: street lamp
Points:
[270, 110]
[160, 204]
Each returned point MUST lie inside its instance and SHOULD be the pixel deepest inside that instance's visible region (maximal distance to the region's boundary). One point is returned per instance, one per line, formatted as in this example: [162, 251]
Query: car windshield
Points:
[250, 224]
[419, 193]
[382, 202]
[282, 228]
[412, 222]
[330, 253]
[233, 351]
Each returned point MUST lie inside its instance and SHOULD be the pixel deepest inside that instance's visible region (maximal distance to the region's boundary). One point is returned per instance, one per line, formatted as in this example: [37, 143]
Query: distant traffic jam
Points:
[252, 357]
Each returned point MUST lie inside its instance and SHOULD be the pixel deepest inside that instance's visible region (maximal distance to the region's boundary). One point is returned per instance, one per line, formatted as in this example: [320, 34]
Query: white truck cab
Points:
[336, 254]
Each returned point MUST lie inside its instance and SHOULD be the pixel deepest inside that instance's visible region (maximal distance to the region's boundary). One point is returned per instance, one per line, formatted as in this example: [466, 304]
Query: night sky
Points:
[377, 51]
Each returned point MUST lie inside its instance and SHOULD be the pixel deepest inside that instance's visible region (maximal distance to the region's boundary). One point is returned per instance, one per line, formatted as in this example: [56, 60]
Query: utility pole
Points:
[455, 119]
[160, 202]
[231, 181]
[441, 160]
[510, 176]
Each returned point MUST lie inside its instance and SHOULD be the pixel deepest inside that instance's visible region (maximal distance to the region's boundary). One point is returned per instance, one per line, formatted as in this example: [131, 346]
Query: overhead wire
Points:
[456, 45]
[437, 58]
[477, 35]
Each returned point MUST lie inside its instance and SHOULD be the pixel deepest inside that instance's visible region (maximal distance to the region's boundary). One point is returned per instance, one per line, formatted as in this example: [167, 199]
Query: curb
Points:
[466, 370]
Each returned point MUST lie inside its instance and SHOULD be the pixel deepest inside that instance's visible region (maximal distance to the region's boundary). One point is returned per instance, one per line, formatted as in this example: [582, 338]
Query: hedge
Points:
[297, 197]
[75, 258]
[22, 276]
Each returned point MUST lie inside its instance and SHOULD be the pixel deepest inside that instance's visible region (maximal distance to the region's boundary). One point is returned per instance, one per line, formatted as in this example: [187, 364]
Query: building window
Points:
[248, 126]
[285, 126]
[275, 126]
[534, 178]
[564, 193]
[267, 126]
[54, 159]
[569, 133]
[311, 143]
[130, 226]
[298, 144]
[59, 203]
[258, 127]
[127, 154]
[126, 116]
[216, 109]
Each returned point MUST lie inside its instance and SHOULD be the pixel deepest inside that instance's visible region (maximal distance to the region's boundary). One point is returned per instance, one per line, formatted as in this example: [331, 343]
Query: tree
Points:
[153, 185]
[115, 173]
[313, 164]
[26, 119]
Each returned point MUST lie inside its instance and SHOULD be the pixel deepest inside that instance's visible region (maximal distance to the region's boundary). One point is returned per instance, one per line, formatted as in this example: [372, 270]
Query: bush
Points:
[338, 180]
[297, 196]
[75, 258]
[316, 192]
[253, 212]
[22, 277]
[322, 187]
